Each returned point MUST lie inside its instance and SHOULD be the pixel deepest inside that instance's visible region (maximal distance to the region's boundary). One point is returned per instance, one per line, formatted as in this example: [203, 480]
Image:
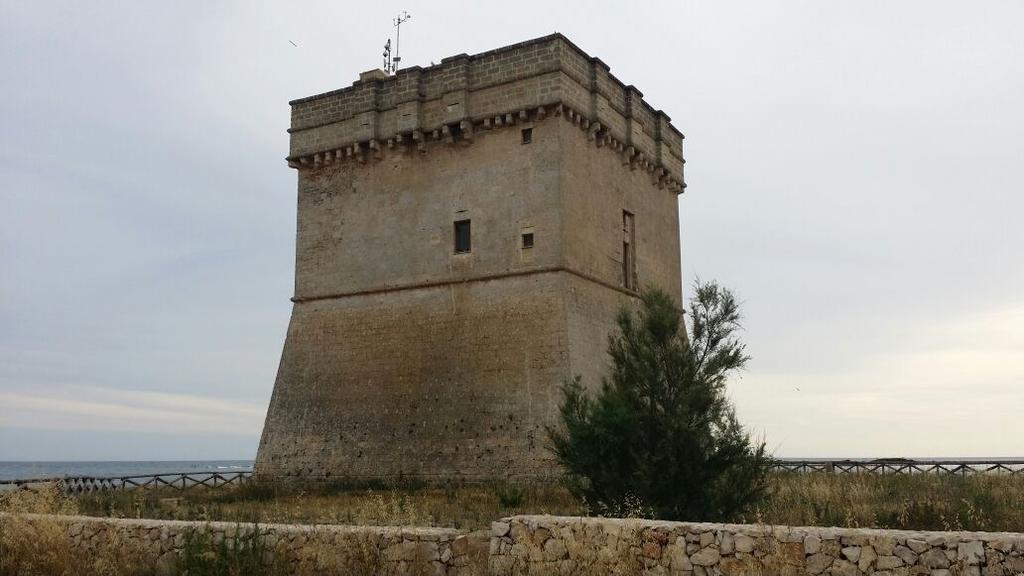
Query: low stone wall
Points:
[563, 546]
[533, 545]
[289, 549]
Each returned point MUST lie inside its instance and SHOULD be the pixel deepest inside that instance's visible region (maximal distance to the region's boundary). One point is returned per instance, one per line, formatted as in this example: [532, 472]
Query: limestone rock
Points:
[706, 557]
[934, 558]
[970, 553]
[883, 545]
[844, 568]
[554, 549]
[867, 559]
[817, 563]
[906, 554]
[812, 544]
[917, 546]
[728, 545]
[852, 553]
[888, 562]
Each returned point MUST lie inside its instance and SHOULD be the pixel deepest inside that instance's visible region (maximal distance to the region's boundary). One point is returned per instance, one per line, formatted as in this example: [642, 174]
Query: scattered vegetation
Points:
[510, 496]
[661, 434]
[993, 502]
[36, 546]
[468, 506]
[30, 545]
[986, 502]
[241, 555]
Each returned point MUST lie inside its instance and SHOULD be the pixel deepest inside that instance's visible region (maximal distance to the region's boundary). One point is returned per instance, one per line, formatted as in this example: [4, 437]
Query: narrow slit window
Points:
[463, 238]
[528, 240]
[527, 135]
[628, 251]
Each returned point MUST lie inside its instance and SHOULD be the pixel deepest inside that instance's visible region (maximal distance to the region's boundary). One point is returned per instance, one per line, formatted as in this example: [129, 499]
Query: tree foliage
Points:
[661, 431]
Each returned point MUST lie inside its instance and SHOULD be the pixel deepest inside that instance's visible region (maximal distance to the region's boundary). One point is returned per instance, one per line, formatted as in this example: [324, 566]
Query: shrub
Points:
[205, 555]
[660, 433]
[510, 496]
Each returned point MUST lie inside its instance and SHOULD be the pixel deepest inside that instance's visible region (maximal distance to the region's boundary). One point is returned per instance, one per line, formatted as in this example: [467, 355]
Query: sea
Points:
[34, 470]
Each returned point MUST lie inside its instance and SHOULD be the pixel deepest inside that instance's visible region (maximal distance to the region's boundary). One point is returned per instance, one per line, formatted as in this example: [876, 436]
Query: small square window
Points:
[463, 240]
[528, 240]
[527, 135]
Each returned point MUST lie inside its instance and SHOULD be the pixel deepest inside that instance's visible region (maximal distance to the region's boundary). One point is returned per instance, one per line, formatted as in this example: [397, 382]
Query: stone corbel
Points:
[658, 177]
[593, 131]
[466, 127]
[541, 113]
[375, 147]
[420, 140]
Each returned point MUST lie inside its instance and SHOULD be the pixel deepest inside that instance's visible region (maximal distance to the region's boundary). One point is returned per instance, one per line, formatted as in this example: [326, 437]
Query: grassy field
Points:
[922, 502]
[27, 546]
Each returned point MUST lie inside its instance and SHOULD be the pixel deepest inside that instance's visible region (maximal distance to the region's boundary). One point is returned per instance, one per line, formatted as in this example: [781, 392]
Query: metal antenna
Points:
[391, 62]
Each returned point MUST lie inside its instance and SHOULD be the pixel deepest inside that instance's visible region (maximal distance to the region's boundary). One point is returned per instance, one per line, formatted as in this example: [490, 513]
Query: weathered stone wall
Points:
[406, 359]
[288, 549]
[388, 224]
[557, 545]
[446, 382]
[564, 546]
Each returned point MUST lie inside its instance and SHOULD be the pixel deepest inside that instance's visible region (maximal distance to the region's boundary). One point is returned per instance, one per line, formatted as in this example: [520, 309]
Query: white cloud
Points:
[953, 391]
[90, 408]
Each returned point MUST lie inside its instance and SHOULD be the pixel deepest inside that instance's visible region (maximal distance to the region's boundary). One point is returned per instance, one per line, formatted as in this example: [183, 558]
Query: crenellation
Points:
[538, 73]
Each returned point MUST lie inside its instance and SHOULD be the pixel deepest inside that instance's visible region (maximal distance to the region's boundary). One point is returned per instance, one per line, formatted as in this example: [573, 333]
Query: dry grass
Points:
[467, 507]
[34, 546]
[29, 546]
[990, 502]
[921, 502]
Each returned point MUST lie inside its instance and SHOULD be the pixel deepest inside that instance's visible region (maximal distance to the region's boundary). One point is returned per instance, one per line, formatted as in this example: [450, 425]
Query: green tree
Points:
[661, 432]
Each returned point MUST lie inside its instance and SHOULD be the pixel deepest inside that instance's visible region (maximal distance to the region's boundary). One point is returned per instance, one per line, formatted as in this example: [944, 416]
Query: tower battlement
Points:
[450, 102]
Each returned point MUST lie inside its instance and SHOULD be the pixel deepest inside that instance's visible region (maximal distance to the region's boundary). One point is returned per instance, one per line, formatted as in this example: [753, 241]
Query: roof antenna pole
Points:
[391, 62]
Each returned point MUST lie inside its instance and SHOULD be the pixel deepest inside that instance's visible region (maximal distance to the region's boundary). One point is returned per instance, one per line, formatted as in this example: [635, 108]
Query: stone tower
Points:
[467, 233]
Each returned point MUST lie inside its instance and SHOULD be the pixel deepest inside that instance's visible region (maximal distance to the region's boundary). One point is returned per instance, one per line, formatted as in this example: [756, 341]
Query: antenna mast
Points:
[391, 62]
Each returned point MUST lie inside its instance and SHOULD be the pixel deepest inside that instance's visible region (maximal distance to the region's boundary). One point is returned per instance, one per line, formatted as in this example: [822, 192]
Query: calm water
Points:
[17, 470]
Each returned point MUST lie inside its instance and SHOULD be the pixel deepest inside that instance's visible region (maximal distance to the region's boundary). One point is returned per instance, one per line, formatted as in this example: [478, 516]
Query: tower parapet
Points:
[451, 101]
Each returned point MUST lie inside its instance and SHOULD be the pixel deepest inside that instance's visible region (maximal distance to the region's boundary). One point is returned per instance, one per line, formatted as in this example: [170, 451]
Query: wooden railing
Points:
[176, 481]
[901, 466]
[189, 480]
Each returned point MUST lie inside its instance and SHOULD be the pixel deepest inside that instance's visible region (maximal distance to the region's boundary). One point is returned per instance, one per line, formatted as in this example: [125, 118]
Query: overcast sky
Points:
[854, 171]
